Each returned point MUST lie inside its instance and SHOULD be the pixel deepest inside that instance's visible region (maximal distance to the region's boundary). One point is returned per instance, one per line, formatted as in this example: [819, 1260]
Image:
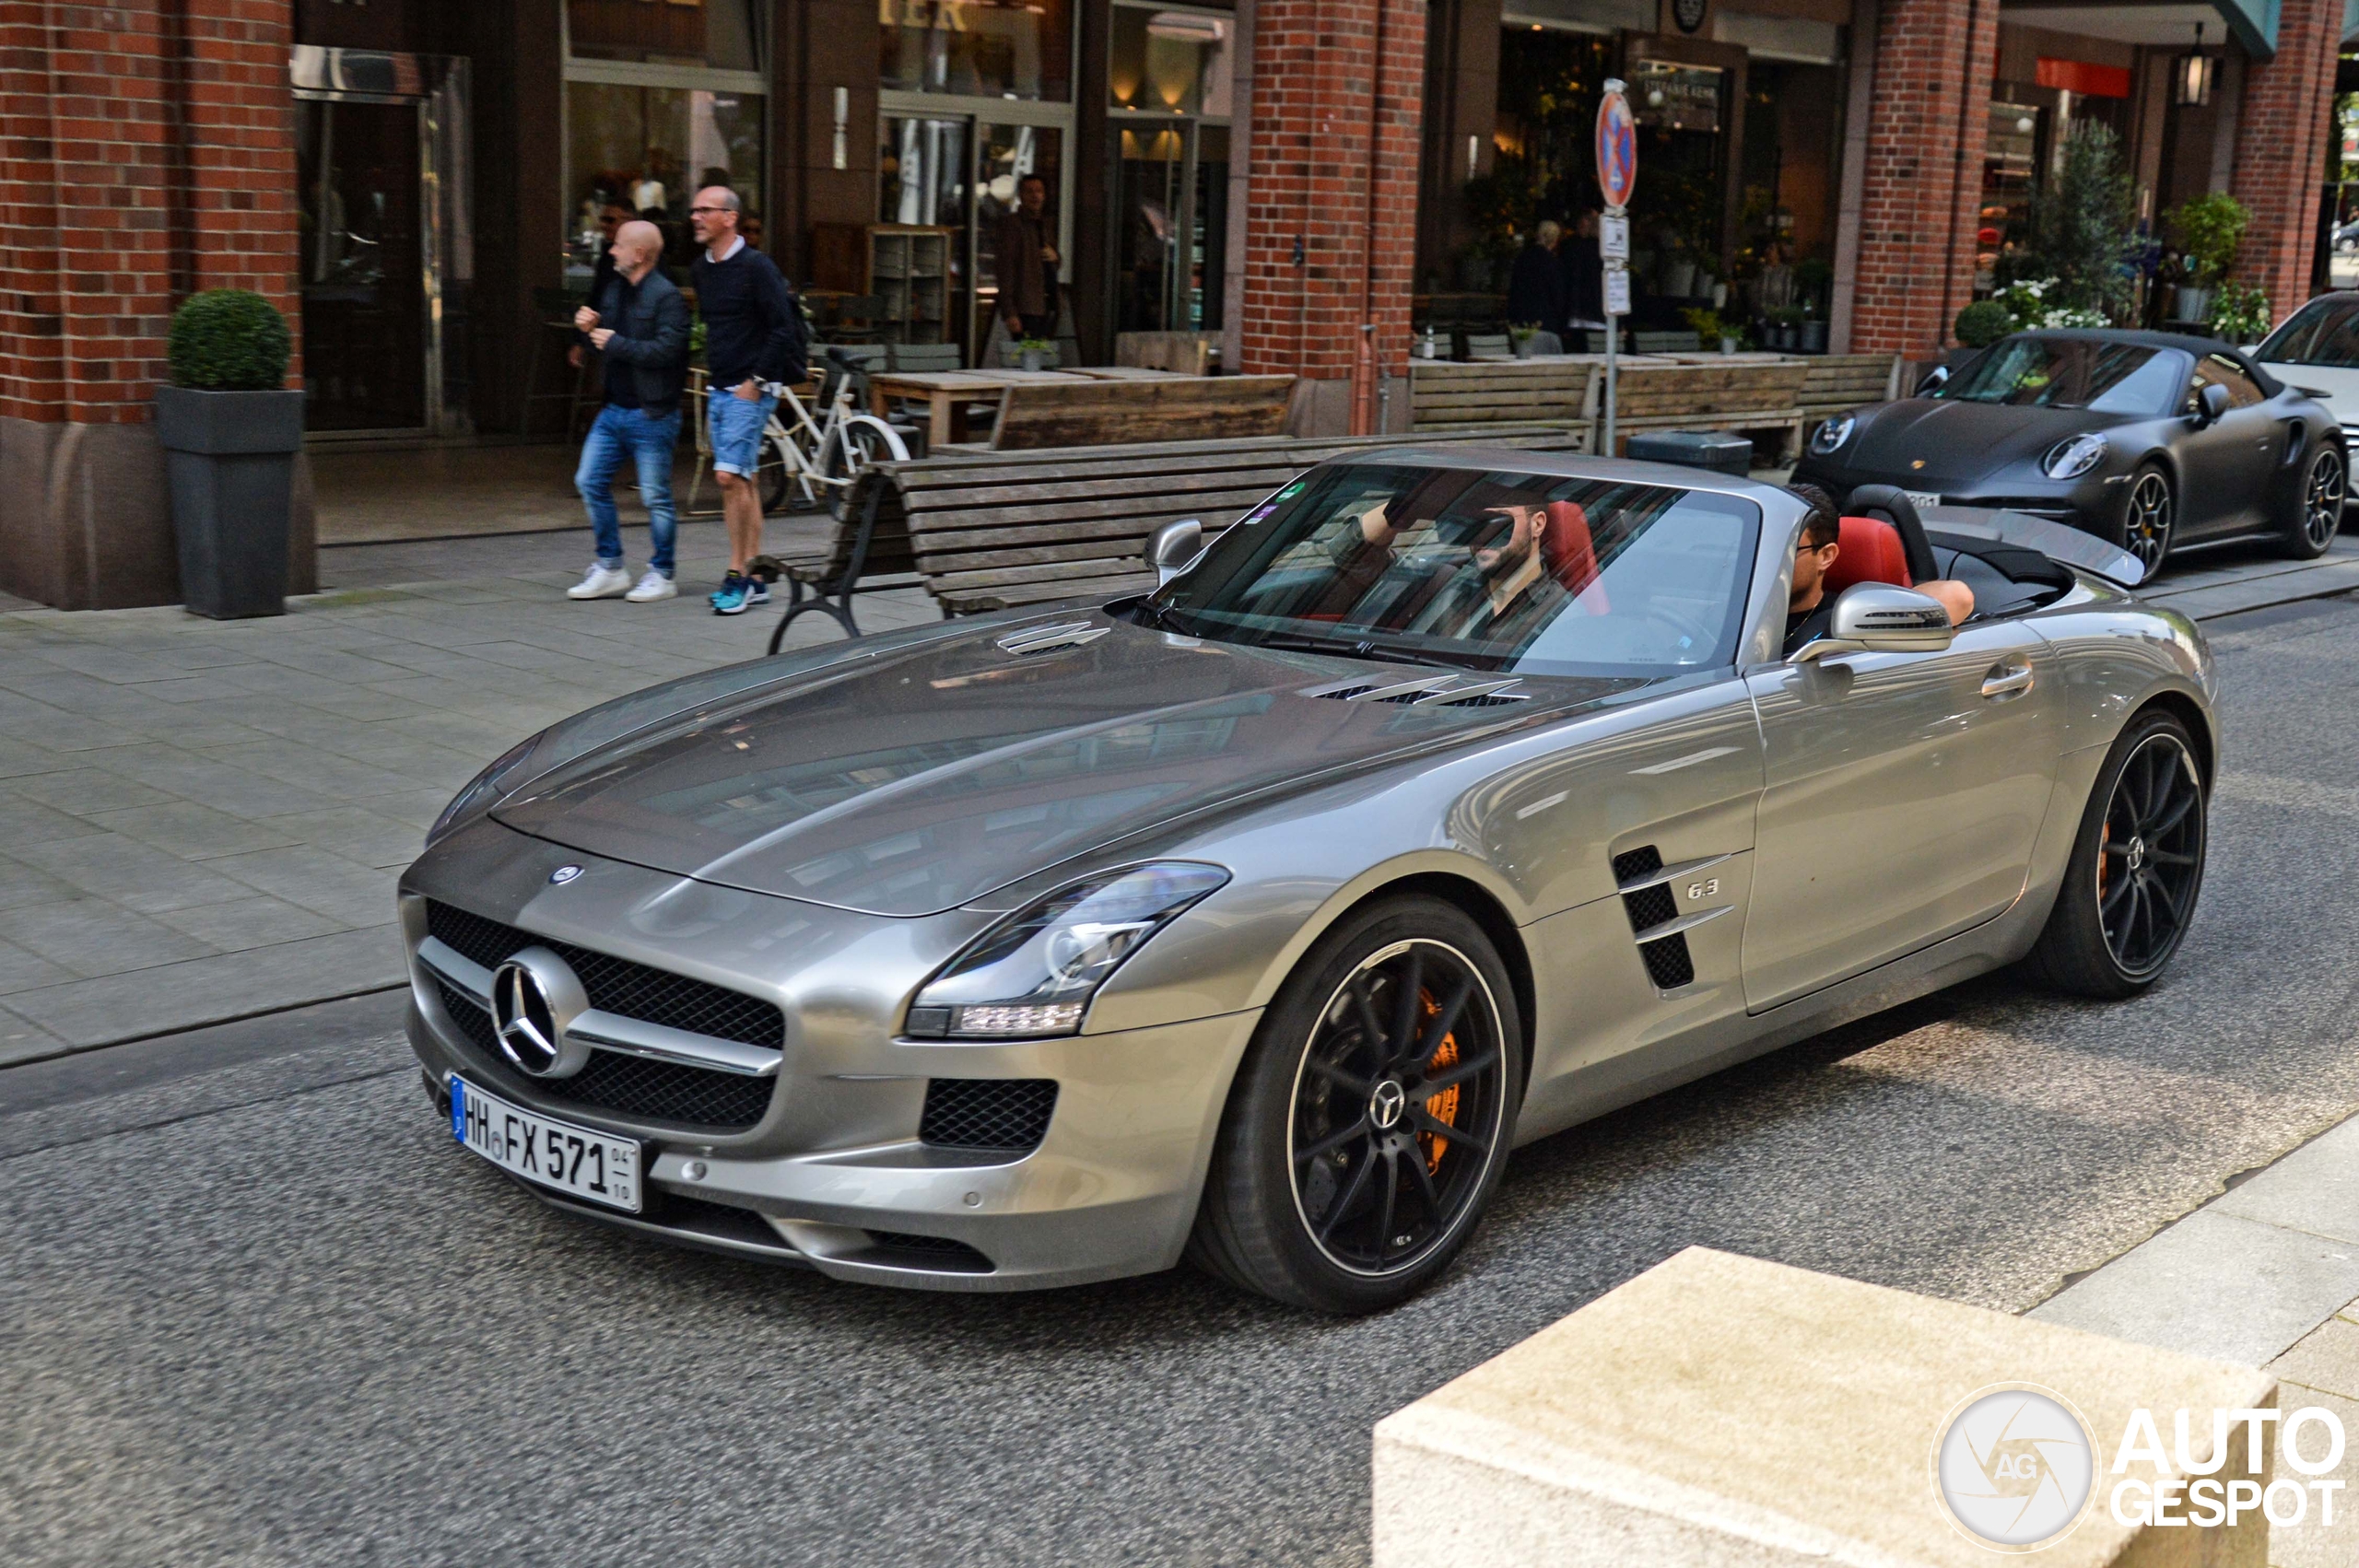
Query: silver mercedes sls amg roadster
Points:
[1439, 803]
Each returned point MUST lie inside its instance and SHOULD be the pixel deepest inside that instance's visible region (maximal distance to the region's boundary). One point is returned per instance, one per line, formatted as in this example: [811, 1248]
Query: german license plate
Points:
[1920, 499]
[574, 1159]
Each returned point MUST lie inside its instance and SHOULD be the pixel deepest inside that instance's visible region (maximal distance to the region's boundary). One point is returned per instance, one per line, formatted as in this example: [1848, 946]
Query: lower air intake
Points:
[1668, 964]
[1004, 1115]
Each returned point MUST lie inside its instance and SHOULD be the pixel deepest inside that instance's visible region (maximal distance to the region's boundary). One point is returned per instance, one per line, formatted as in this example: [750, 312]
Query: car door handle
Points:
[2006, 680]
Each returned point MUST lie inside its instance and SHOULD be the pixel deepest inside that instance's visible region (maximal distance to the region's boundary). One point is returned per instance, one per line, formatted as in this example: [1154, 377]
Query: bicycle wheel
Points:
[860, 442]
[776, 481]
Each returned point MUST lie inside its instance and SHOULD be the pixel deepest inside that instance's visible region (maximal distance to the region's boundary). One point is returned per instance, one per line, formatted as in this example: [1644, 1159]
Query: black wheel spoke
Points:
[1386, 1199]
[1409, 990]
[1357, 1086]
[2158, 780]
[1348, 1199]
[1438, 1029]
[1371, 1026]
[1452, 1076]
[2123, 883]
[1425, 1188]
[2159, 893]
[1331, 1143]
[2177, 813]
[1428, 1122]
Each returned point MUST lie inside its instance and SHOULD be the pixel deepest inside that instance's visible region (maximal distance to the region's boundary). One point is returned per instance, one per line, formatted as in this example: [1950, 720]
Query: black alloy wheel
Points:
[2149, 516]
[2325, 488]
[2130, 892]
[1369, 1122]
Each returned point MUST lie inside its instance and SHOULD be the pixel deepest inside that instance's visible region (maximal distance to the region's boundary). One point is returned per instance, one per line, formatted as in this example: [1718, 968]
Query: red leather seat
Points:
[1872, 553]
[1567, 550]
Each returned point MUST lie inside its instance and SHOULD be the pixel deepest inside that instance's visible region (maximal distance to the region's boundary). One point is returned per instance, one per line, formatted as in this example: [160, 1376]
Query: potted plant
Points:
[1032, 353]
[231, 431]
[1520, 336]
[2208, 230]
[1983, 323]
[1710, 328]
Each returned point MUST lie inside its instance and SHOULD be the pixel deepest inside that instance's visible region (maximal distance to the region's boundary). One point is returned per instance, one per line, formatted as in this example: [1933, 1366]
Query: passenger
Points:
[1809, 608]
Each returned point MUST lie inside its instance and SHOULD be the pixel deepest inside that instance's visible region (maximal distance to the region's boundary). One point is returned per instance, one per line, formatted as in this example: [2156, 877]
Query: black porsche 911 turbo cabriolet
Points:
[2150, 440]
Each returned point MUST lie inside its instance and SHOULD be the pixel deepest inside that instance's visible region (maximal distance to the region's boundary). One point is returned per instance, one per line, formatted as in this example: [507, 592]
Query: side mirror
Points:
[1935, 380]
[1173, 546]
[2212, 403]
[1874, 618]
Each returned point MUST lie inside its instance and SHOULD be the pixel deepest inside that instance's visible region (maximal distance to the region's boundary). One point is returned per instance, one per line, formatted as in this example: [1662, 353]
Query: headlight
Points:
[483, 789]
[2070, 459]
[1035, 973]
[1828, 438]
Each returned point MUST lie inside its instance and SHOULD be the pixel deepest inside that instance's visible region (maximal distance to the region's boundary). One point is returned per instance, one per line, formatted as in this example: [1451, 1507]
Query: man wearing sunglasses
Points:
[754, 343]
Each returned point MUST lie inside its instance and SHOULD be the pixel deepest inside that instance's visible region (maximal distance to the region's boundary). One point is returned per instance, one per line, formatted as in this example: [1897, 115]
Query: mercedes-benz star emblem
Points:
[564, 874]
[535, 996]
[1385, 1105]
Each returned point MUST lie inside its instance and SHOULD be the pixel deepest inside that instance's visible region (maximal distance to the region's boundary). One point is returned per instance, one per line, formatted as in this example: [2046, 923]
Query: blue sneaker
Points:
[731, 596]
[756, 591]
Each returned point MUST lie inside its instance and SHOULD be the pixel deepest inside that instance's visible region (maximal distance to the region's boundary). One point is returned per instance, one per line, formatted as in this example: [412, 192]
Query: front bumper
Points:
[834, 1173]
[2089, 503]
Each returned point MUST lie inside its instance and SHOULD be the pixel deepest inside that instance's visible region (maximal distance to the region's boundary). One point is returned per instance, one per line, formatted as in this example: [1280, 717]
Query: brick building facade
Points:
[1301, 182]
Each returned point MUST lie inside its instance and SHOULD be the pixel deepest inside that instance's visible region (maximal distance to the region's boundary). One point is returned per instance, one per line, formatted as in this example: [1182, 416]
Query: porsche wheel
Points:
[2317, 505]
[2149, 517]
[2136, 869]
[1370, 1117]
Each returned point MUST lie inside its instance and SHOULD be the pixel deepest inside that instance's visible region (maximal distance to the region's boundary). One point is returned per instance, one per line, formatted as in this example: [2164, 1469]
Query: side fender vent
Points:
[1030, 641]
[1647, 899]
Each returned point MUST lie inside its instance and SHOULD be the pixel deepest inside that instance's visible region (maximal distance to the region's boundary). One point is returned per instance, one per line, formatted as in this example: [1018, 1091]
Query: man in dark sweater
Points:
[640, 324]
[752, 345]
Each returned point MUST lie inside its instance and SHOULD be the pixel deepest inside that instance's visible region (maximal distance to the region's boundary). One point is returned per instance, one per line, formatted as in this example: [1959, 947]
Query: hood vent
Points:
[1050, 639]
[1444, 690]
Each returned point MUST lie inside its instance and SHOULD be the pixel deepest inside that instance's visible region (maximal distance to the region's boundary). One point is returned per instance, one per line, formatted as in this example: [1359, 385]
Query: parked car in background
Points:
[2318, 351]
[2150, 440]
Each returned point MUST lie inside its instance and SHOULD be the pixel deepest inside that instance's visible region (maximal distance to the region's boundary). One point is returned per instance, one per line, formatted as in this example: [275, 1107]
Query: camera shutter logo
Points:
[2014, 1466]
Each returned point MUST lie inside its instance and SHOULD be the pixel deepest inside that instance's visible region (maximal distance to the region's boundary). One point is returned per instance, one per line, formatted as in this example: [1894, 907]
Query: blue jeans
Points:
[615, 433]
[736, 426]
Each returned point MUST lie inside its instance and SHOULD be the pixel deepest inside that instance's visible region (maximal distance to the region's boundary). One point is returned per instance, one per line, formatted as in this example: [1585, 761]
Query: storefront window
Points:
[714, 33]
[1544, 159]
[1170, 61]
[1677, 222]
[976, 48]
[1785, 243]
[647, 150]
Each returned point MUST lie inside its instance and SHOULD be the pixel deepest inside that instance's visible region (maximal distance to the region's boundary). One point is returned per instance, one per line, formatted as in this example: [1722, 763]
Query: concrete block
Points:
[1725, 1412]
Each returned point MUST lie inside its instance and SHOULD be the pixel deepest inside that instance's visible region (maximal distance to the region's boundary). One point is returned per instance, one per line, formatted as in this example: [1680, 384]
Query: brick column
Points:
[1923, 180]
[2280, 150]
[148, 151]
[1332, 214]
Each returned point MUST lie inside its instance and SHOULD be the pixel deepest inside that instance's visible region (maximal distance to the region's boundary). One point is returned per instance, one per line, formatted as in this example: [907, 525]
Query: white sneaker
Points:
[601, 583]
[652, 587]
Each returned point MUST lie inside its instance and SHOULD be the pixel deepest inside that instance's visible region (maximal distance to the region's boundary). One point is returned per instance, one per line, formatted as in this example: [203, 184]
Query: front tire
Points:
[2148, 525]
[1370, 1121]
[2130, 892]
[2314, 509]
[862, 443]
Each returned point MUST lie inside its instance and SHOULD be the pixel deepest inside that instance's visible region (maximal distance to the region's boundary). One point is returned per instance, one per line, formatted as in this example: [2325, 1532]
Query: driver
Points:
[1811, 607]
[1503, 594]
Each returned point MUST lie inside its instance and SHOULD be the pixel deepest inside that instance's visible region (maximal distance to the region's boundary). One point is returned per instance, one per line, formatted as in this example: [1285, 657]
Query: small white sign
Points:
[1613, 237]
[1617, 292]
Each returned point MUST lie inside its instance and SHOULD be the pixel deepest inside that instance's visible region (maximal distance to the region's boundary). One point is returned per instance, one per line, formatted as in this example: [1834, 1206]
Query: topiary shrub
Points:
[1983, 323]
[228, 340]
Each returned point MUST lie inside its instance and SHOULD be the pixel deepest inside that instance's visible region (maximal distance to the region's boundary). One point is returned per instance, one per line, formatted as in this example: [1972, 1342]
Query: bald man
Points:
[640, 324]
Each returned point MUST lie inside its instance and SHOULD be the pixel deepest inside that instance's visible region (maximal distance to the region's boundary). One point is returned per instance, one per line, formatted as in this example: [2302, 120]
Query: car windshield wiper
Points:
[1391, 654]
[1165, 617]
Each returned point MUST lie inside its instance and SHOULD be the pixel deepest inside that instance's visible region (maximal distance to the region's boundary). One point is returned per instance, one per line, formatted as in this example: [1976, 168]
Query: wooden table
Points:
[946, 393]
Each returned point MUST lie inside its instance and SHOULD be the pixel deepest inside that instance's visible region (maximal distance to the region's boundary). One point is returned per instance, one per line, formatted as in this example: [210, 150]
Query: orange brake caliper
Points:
[1442, 1108]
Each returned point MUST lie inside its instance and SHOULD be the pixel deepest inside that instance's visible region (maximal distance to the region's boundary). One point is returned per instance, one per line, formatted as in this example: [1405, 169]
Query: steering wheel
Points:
[1701, 636]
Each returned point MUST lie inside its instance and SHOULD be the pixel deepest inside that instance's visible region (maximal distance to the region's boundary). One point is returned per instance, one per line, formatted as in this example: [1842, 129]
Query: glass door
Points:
[1172, 206]
[1009, 157]
[359, 182]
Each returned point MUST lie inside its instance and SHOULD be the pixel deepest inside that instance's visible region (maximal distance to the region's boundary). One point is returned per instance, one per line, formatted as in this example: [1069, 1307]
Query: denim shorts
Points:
[736, 426]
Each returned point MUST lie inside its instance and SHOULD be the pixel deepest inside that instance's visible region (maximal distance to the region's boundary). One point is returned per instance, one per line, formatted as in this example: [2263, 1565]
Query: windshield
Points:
[1506, 572]
[2324, 331]
[2071, 373]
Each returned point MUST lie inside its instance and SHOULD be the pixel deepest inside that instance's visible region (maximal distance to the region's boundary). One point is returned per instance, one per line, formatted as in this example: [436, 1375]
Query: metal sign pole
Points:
[1617, 175]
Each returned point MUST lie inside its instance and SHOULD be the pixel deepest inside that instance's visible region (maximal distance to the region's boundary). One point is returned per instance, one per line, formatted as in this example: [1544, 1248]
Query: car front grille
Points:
[629, 1085]
[1008, 1114]
[618, 985]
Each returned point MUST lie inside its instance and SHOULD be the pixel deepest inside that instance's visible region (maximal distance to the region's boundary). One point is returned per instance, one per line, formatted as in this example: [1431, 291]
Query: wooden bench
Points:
[1746, 395]
[1181, 408]
[1837, 384]
[868, 552]
[993, 533]
[1666, 342]
[1446, 396]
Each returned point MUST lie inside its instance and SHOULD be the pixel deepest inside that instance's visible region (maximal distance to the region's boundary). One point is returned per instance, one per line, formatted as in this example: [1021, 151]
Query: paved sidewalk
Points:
[2267, 1275]
[201, 820]
[204, 820]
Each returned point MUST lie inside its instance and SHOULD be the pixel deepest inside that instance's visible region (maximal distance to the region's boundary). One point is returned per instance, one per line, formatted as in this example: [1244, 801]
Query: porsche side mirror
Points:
[1874, 618]
[2212, 404]
[1934, 380]
[1173, 546]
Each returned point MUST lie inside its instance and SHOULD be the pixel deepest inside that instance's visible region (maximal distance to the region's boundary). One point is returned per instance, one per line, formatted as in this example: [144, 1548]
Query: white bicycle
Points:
[803, 459]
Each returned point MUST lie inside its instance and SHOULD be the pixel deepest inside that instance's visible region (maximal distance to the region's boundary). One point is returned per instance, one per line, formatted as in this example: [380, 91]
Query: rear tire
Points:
[1369, 1120]
[2137, 866]
[2313, 511]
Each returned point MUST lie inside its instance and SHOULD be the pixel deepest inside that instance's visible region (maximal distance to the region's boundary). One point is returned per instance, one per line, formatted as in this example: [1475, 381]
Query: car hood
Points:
[1961, 440]
[922, 778]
